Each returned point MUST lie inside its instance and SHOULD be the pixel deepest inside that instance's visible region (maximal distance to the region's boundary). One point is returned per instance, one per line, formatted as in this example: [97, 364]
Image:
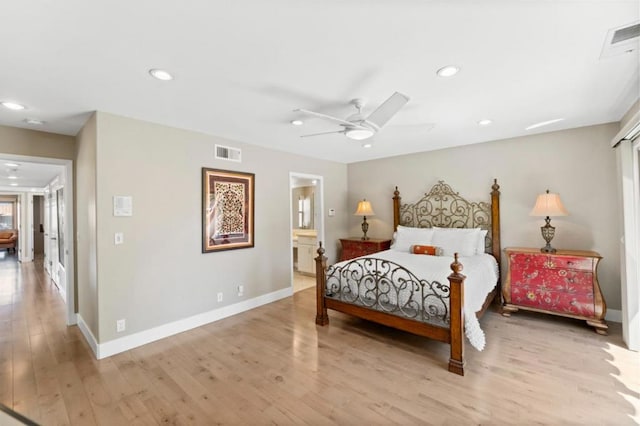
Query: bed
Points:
[424, 295]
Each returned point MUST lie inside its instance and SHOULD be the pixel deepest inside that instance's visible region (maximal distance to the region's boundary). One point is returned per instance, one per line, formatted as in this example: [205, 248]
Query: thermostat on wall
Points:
[332, 212]
[122, 205]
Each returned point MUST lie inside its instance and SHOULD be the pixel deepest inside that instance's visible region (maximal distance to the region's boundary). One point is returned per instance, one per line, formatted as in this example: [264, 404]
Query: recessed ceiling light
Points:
[11, 164]
[544, 123]
[297, 122]
[448, 71]
[484, 122]
[13, 177]
[34, 121]
[13, 184]
[367, 145]
[160, 74]
[12, 105]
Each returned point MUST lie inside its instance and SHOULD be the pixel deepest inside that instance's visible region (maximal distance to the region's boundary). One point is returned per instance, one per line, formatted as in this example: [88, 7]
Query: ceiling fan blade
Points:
[387, 109]
[327, 117]
[323, 133]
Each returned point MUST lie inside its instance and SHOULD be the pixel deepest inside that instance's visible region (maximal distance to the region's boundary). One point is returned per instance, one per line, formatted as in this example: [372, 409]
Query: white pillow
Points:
[456, 240]
[407, 237]
[480, 248]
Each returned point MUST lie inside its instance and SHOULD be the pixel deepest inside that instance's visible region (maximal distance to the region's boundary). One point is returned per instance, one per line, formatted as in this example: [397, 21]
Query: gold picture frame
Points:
[227, 210]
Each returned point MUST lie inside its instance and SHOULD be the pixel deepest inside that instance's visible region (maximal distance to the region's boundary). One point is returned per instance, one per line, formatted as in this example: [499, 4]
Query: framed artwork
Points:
[227, 210]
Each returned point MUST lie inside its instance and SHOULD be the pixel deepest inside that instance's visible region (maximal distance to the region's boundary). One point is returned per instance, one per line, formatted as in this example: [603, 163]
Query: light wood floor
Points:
[272, 365]
[302, 281]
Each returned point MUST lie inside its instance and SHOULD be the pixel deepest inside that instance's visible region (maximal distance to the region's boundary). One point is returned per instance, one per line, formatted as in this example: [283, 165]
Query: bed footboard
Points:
[434, 316]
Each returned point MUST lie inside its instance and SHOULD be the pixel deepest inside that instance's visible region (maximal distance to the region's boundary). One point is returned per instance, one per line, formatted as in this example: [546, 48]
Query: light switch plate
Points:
[118, 238]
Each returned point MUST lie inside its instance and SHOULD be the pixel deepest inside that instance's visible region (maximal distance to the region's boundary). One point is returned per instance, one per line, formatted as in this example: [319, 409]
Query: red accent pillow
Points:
[429, 250]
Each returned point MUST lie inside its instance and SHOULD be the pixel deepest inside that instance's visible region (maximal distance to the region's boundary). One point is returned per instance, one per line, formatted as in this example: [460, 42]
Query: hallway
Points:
[39, 355]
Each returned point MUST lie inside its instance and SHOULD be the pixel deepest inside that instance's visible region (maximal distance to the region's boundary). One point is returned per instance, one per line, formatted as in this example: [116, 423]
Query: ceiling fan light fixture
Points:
[359, 134]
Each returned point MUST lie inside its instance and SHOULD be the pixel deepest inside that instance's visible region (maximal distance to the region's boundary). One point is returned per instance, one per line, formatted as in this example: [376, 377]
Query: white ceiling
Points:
[30, 176]
[241, 67]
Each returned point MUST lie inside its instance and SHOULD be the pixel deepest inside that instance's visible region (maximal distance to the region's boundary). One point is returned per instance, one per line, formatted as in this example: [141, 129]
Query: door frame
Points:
[628, 159]
[318, 198]
[69, 211]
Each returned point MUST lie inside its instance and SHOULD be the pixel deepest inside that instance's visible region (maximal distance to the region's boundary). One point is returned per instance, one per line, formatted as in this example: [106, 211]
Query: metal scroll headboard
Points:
[444, 208]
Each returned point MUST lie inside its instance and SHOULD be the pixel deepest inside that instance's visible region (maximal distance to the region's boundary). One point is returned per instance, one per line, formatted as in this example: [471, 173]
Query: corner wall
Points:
[579, 164]
[86, 226]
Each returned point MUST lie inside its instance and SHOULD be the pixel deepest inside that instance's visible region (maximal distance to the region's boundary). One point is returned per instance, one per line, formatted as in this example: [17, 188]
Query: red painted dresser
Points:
[562, 283]
[356, 247]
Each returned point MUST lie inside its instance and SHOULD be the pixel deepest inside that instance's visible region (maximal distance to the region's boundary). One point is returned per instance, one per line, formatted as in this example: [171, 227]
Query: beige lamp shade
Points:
[364, 209]
[548, 204]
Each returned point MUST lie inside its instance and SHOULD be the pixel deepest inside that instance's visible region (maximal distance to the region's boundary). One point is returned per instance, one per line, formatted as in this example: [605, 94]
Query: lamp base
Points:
[548, 249]
[365, 228]
[548, 232]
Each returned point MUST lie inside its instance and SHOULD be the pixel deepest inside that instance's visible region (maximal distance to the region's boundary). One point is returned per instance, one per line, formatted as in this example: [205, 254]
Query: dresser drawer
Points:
[528, 260]
[571, 262]
[561, 302]
[560, 280]
[356, 247]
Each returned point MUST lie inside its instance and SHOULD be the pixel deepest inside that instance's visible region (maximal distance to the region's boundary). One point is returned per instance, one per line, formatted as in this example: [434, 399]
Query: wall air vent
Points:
[621, 40]
[228, 153]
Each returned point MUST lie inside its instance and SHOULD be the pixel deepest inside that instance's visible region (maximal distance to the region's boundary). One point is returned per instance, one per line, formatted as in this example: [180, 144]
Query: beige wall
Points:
[579, 164]
[17, 141]
[159, 274]
[85, 225]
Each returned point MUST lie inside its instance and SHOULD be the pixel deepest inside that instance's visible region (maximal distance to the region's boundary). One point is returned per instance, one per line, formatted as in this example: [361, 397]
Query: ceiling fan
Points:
[356, 126]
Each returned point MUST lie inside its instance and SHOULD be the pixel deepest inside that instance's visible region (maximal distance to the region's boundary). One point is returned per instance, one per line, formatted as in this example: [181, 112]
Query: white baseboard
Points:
[614, 315]
[112, 347]
[88, 335]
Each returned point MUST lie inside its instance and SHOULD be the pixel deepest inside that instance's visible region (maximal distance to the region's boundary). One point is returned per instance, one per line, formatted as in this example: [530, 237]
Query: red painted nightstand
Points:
[356, 247]
[563, 283]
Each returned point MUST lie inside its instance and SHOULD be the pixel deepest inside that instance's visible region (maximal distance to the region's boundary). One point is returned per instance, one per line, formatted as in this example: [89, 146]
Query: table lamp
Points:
[547, 205]
[364, 209]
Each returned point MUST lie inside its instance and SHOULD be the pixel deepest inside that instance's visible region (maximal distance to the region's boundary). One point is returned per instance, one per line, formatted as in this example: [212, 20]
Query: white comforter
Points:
[481, 272]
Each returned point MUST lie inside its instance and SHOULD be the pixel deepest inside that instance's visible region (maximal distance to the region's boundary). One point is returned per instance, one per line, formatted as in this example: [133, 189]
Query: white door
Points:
[60, 259]
[47, 231]
[53, 238]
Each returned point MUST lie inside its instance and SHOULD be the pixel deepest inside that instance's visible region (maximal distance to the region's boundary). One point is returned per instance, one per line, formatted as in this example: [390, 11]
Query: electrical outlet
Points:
[240, 290]
[118, 238]
[219, 297]
[121, 325]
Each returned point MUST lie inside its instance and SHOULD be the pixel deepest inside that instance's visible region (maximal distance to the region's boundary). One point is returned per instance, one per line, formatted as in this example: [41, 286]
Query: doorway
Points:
[38, 228]
[36, 194]
[306, 225]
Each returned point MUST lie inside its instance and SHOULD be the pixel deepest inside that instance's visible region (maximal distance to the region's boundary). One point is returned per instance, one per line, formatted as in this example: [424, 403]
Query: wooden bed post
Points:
[495, 235]
[456, 324]
[321, 271]
[396, 209]
[495, 221]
